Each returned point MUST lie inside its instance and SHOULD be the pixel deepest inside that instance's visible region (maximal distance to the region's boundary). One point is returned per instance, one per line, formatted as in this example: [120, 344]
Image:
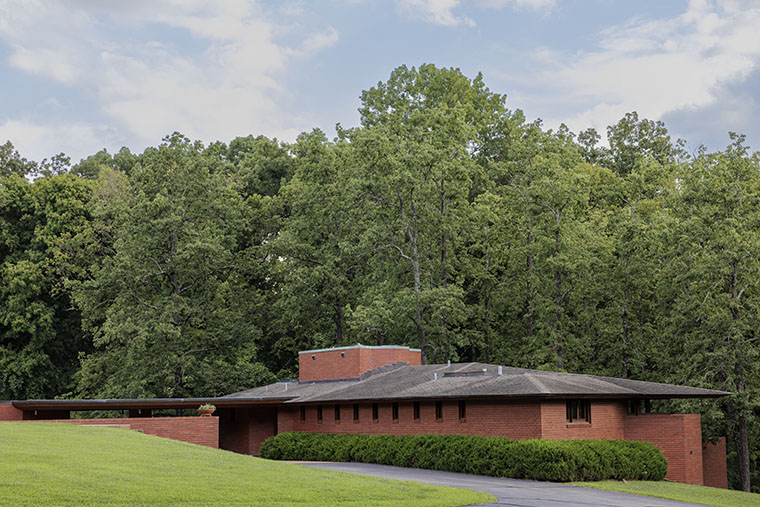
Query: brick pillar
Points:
[714, 464]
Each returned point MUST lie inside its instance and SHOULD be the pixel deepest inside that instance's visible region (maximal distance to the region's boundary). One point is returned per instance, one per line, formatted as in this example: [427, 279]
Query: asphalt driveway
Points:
[510, 492]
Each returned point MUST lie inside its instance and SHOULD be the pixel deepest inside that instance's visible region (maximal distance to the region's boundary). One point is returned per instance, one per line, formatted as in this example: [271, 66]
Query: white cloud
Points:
[320, 41]
[441, 12]
[234, 85]
[437, 12]
[536, 5]
[36, 141]
[654, 66]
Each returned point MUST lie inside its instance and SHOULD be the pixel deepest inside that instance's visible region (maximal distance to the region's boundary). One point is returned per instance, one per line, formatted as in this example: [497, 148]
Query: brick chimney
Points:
[350, 362]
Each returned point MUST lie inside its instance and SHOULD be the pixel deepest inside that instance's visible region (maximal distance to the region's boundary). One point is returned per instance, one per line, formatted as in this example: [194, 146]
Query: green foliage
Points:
[542, 460]
[40, 334]
[11, 162]
[168, 309]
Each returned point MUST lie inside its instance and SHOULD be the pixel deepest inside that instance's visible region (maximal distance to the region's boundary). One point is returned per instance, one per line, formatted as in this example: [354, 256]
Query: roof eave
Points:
[147, 403]
[492, 397]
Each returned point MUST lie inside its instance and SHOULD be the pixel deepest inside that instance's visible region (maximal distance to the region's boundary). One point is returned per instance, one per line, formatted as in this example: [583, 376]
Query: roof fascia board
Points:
[360, 346]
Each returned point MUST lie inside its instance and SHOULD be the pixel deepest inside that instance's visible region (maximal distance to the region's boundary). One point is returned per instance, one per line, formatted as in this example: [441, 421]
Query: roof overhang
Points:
[506, 397]
[146, 403]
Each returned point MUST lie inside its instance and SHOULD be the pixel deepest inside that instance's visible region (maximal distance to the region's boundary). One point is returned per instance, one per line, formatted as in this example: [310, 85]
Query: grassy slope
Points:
[46, 463]
[678, 491]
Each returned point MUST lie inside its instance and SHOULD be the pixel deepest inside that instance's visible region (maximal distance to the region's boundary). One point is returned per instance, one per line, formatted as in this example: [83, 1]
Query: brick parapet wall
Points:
[10, 413]
[194, 430]
[714, 471]
[679, 437]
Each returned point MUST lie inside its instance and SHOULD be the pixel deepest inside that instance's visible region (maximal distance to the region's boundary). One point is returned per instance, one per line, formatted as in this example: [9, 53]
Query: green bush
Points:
[541, 460]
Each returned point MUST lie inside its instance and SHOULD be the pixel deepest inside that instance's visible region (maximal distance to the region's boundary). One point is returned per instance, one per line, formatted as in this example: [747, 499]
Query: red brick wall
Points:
[10, 413]
[233, 429]
[243, 430]
[606, 421]
[370, 358]
[262, 425]
[512, 420]
[679, 436]
[195, 430]
[329, 364]
[286, 419]
[714, 464]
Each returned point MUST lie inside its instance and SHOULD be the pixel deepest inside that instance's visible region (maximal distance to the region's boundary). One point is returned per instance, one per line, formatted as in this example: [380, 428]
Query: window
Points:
[337, 412]
[416, 410]
[394, 410]
[356, 412]
[578, 411]
[438, 410]
[303, 413]
[375, 410]
[319, 413]
[638, 407]
[462, 410]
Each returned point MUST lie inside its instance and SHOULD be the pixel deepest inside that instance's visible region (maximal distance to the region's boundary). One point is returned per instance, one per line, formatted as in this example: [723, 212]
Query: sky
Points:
[78, 76]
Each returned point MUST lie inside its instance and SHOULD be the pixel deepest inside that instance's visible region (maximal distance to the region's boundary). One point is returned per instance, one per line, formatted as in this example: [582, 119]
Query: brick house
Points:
[385, 390]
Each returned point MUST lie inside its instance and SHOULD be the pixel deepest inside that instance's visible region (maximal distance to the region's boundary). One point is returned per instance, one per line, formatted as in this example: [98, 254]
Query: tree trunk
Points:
[487, 306]
[338, 325]
[626, 299]
[558, 297]
[528, 304]
[741, 440]
[413, 235]
[741, 437]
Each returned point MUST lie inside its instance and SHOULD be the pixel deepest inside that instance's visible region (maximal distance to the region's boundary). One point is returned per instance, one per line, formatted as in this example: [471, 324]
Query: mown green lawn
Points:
[678, 491]
[51, 463]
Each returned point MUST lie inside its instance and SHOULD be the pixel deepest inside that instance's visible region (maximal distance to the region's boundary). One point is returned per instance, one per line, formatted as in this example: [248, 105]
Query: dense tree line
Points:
[444, 221]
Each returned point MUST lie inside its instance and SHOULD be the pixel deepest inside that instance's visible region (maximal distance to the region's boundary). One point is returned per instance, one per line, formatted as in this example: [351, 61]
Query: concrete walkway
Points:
[510, 492]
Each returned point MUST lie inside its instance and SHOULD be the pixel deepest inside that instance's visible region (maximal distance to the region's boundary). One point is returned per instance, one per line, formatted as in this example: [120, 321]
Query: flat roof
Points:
[148, 403]
[360, 346]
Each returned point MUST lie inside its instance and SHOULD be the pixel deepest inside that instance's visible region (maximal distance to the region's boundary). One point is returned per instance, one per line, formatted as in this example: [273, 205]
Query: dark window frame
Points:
[578, 411]
[303, 413]
[356, 412]
[375, 412]
[417, 410]
[337, 413]
[439, 411]
[462, 410]
[394, 411]
[319, 413]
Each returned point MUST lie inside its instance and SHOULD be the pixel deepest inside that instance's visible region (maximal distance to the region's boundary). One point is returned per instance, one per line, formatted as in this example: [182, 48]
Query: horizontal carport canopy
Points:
[146, 403]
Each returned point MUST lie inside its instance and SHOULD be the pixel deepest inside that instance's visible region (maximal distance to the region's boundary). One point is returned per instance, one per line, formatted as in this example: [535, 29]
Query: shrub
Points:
[542, 460]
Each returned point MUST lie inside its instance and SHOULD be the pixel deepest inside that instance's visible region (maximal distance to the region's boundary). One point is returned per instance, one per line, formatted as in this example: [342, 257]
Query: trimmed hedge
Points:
[541, 460]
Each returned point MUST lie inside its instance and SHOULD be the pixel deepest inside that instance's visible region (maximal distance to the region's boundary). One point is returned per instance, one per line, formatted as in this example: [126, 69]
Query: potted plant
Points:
[206, 410]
